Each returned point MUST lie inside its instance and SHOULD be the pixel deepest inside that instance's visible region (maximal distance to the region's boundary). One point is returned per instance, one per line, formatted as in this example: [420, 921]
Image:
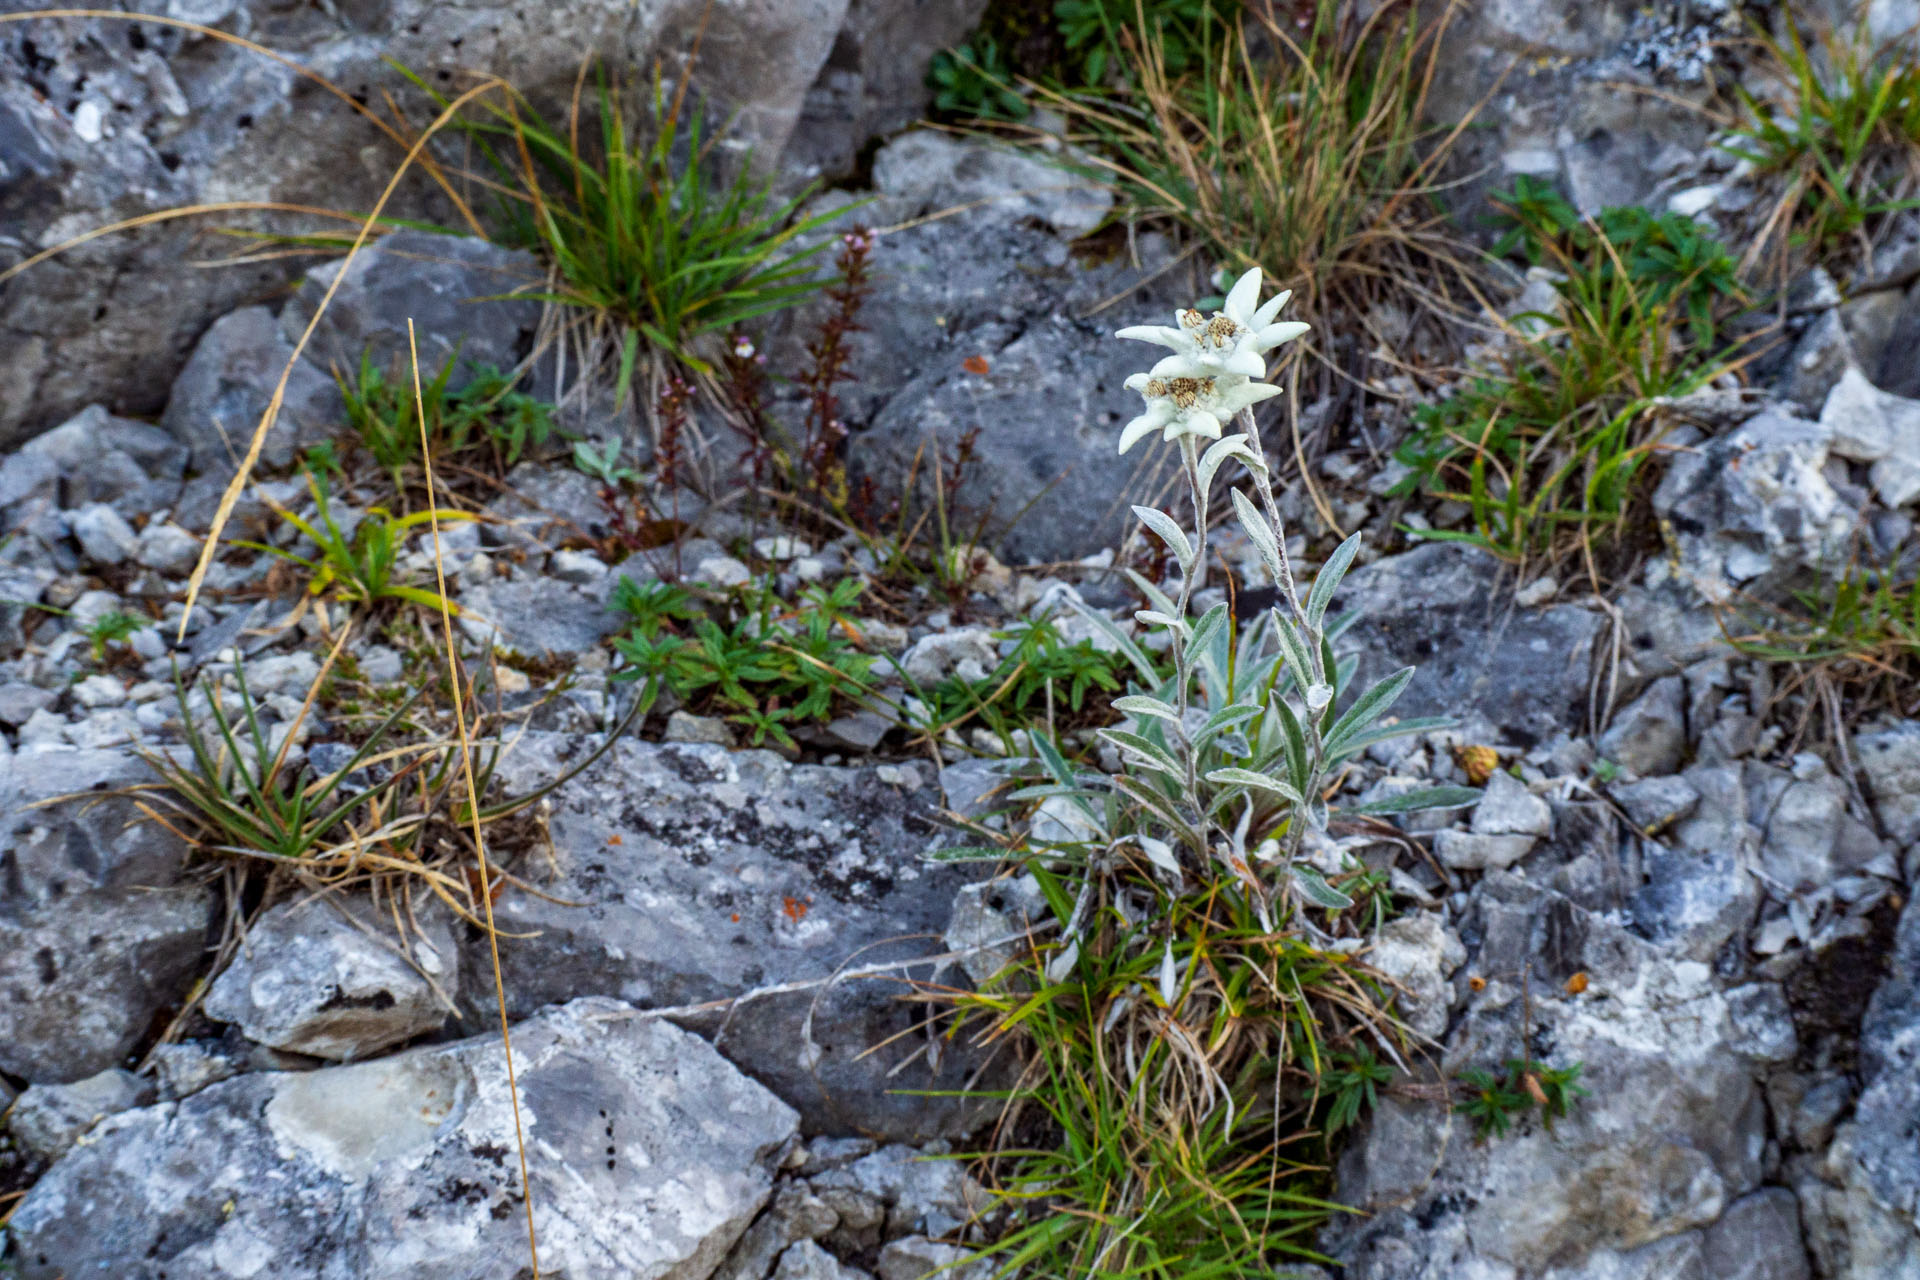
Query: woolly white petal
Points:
[1181, 366]
[1138, 382]
[1275, 334]
[1246, 362]
[1140, 428]
[1243, 297]
[1198, 422]
[1237, 398]
[1155, 333]
[1264, 316]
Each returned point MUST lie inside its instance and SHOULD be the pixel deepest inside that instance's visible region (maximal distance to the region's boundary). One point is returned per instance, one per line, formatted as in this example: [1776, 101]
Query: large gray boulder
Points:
[648, 1156]
[103, 120]
[101, 924]
[685, 875]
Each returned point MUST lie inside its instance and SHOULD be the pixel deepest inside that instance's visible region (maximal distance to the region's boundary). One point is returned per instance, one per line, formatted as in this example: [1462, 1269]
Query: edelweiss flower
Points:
[1233, 340]
[1190, 406]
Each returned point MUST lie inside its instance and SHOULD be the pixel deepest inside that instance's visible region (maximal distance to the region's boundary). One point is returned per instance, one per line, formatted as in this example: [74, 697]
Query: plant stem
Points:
[1190, 578]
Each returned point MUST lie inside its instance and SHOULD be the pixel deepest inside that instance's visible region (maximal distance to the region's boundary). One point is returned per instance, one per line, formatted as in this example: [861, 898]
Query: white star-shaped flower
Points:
[1233, 340]
[1190, 406]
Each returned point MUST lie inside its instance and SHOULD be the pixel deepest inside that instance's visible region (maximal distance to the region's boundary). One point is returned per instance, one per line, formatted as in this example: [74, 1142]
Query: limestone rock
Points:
[308, 979]
[100, 925]
[649, 1156]
[1439, 608]
[1751, 508]
[49, 1118]
[1672, 1133]
[1890, 765]
[702, 874]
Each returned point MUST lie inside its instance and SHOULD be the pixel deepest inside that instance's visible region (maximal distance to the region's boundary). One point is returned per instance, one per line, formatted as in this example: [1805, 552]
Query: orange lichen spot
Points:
[615, 839]
[794, 909]
[976, 365]
[1478, 984]
[1577, 983]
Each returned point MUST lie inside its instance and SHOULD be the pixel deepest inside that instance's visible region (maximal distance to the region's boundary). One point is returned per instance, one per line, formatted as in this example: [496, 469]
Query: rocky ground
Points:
[1670, 878]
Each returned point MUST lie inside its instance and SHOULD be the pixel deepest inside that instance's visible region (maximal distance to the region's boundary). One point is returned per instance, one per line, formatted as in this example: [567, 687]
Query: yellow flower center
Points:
[1184, 392]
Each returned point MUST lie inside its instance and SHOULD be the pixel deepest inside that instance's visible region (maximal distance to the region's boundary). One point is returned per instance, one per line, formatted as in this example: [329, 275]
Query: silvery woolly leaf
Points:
[1316, 890]
[1425, 798]
[1258, 781]
[1155, 596]
[1169, 982]
[1135, 704]
[1063, 961]
[1170, 533]
[1218, 453]
[1327, 581]
[1160, 853]
[1154, 618]
[1259, 533]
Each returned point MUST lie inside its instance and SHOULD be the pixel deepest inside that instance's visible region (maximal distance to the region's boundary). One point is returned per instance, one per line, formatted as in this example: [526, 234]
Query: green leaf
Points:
[967, 853]
[1258, 781]
[1315, 889]
[1146, 752]
[1369, 706]
[1328, 580]
[1260, 533]
[1357, 742]
[1425, 798]
[1170, 533]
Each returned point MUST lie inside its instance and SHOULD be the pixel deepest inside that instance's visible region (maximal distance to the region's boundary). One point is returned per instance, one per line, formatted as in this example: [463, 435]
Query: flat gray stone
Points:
[702, 874]
[1507, 808]
[649, 1156]
[101, 926]
[309, 980]
[49, 1118]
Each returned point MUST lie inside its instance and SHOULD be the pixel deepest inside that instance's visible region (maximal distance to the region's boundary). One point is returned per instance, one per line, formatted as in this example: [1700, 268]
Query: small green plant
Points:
[1099, 33]
[1554, 445]
[1495, 1101]
[650, 240]
[487, 411]
[1042, 676]
[236, 792]
[239, 788]
[1352, 1084]
[654, 604]
[1847, 140]
[762, 672]
[361, 568]
[975, 82]
[1301, 148]
[1862, 629]
[112, 627]
[603, 464]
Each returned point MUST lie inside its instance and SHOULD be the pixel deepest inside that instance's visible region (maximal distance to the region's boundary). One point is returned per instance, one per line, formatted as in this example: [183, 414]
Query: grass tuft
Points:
[1844, 133]
[1549, 448]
